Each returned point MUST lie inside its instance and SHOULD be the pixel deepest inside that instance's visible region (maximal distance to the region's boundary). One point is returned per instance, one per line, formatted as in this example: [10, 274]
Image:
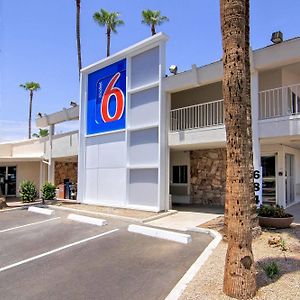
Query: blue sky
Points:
[37, 43]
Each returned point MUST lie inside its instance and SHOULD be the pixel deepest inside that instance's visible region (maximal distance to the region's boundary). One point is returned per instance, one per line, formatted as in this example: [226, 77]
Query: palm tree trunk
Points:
[30, 113]
[108, 43]
[153, 29]
[239, 274]
[78, 36]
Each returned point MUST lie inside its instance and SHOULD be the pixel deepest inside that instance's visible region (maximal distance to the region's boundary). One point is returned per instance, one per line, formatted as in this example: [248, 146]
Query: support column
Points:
[255, 136]
[280, 177]
[51, 162]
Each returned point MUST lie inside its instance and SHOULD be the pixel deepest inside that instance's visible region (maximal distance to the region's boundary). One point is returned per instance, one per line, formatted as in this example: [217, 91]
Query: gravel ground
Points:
[207, 284]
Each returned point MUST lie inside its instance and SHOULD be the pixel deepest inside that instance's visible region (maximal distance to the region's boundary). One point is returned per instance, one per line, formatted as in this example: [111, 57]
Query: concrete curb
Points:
[161, 234]
[159, 216]
[95, 213]
[179, 288]
[87, 220]
[13, 208]
[40, 210]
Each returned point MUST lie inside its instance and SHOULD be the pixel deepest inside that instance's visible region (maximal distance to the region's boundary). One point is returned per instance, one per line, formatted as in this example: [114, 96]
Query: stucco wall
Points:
[270, 79]
[197, 95]
[208, 176]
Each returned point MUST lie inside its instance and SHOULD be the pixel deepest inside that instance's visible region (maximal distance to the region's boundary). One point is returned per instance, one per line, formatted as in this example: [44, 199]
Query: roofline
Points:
[133, 48]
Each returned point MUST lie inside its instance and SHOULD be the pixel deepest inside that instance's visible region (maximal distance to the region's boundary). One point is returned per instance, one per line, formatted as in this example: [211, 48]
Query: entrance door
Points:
[289, 179]
[8, 180]
[2, 180]
[268, 164]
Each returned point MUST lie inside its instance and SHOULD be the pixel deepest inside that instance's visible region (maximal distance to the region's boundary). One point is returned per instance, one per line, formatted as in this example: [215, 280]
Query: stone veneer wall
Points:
[208, 176]
[64, 170]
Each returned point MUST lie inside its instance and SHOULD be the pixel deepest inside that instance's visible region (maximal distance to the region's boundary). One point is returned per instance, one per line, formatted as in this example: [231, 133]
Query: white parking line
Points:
[55, 250]
[30, 224]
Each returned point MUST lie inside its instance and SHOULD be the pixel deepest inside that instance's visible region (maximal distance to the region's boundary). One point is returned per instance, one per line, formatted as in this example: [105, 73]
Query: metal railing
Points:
[279, 102]
[197, 116]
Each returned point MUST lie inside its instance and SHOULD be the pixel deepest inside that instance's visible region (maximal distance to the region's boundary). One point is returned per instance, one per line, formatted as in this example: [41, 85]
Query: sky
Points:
[38, 43]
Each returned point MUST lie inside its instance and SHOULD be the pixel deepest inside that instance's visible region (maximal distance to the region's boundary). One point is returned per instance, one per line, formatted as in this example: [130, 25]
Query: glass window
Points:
[179, 174]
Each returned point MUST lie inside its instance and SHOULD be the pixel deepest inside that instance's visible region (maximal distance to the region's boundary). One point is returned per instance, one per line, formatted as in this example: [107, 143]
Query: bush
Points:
[271, 269]
[272, 211]
[48, 191]
[27, 190]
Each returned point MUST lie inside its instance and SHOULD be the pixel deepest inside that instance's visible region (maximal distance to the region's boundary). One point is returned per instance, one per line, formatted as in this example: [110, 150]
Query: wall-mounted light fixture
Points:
[277, 37]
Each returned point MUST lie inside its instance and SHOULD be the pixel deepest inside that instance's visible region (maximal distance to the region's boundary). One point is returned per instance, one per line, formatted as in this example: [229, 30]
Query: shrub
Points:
[271, 269]
[27, 190]
[48, 191]
[272, 211]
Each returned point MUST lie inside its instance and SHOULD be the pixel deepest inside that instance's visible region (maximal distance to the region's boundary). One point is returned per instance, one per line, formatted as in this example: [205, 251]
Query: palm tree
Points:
[31, 87]
[111, 21]
[239, 274]
[78, 36]
[153, 18]
[42, 133]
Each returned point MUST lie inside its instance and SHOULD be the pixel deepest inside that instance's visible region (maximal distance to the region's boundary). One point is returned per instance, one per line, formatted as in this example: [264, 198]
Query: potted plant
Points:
[274, 216]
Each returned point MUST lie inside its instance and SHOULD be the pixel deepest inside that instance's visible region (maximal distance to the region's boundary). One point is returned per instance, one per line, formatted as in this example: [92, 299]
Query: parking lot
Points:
[52, 257]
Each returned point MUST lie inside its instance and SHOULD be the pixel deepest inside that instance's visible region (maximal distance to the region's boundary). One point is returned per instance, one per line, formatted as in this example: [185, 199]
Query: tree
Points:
[78, 36]
[41, 133]
[111, 21]
[239, 274]
[31, 87]
[153, 18]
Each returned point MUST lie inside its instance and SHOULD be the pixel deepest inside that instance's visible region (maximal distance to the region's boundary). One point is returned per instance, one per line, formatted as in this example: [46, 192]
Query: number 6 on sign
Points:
[112, 90]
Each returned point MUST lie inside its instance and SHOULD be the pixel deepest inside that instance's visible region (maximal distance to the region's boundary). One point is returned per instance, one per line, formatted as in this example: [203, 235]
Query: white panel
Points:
[144, 108]
[145, 68]
[143, 148]
[91, 156]
[91, 182]
[112, 150]
[143, 188]
[112, 186]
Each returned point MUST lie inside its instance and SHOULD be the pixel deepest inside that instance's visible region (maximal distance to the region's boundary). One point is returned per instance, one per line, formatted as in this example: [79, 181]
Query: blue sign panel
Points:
[106, 99]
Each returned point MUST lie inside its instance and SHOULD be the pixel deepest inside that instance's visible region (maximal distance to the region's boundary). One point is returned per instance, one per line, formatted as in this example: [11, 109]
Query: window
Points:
[179, 174]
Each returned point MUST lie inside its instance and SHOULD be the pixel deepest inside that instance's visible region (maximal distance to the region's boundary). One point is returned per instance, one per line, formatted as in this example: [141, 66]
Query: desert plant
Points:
[271, 269]
[27, 190]
[272, 211]
[48, 191]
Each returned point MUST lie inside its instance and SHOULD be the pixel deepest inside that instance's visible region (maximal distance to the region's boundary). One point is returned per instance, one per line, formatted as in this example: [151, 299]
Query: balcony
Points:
[279, 102]
[197, 116]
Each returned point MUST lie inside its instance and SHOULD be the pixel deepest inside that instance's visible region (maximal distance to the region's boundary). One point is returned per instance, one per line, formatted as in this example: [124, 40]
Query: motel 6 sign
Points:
[106, 99]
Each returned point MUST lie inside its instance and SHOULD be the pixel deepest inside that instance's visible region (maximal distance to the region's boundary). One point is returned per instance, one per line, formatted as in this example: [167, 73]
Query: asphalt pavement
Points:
[51, 257]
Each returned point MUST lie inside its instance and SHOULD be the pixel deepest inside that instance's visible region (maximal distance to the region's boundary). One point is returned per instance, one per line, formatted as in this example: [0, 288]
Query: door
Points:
[8, 180]
[2, 180]
[11, 181]
[289, 179]
[268, 164]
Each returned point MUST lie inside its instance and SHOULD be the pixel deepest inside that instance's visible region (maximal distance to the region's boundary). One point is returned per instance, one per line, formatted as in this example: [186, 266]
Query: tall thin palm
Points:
[31, 87]
[78, 36]
[153, 18]
[111, 21]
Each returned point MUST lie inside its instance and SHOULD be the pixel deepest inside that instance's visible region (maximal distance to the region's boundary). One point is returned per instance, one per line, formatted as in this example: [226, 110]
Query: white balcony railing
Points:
[279, 102]
[197, 116]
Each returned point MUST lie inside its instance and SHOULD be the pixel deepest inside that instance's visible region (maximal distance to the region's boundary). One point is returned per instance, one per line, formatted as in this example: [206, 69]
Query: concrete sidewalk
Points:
[295, 211]
[184, 220]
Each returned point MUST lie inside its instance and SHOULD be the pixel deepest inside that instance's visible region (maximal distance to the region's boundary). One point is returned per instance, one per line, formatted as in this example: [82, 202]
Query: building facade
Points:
[171, 146]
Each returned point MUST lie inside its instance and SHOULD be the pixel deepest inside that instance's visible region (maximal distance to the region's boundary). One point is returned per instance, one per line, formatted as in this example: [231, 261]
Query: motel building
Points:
[148, 140]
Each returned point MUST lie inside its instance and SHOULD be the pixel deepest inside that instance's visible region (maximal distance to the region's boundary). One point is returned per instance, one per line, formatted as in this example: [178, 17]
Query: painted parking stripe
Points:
[30, 224]
[56, 250]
